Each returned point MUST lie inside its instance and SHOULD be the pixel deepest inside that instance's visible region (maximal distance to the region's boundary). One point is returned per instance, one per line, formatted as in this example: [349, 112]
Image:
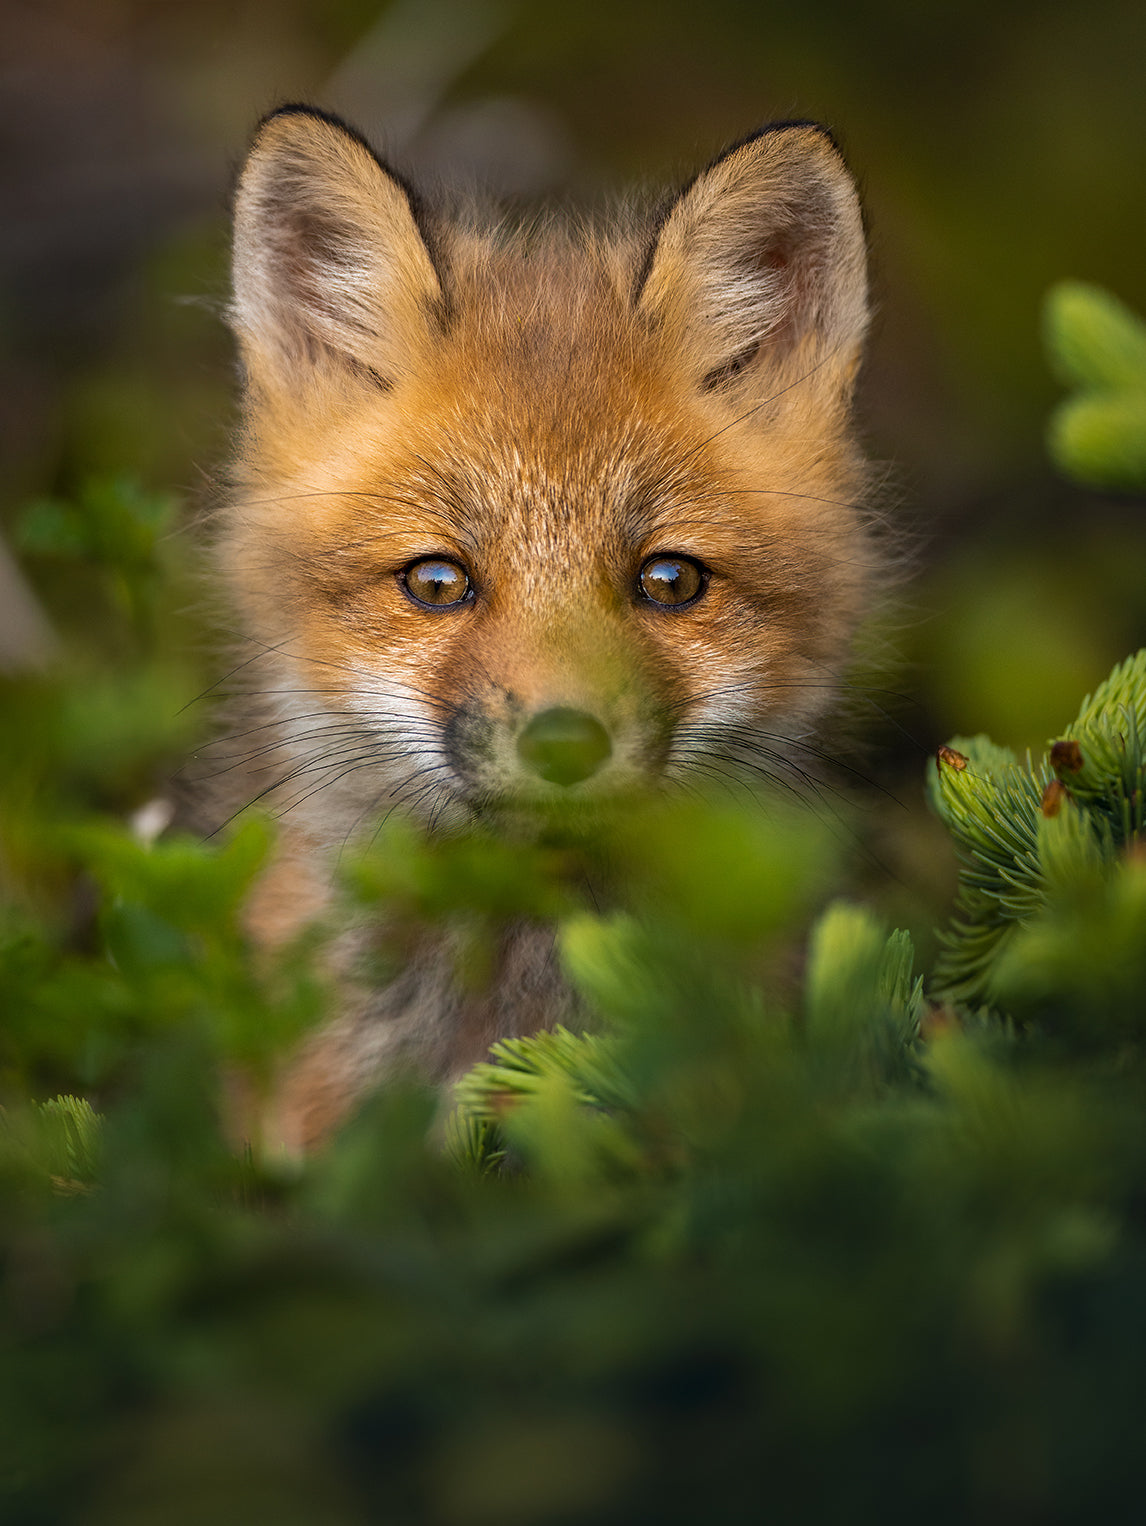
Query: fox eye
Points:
[437, 583]
[672, 580]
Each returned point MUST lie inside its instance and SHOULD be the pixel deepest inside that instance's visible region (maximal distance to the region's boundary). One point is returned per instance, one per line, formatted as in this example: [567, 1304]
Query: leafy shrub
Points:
[808, 1244]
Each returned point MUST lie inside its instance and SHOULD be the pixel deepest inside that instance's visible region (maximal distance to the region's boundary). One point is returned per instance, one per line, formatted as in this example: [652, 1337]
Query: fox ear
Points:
[329, 265]
[761, 258]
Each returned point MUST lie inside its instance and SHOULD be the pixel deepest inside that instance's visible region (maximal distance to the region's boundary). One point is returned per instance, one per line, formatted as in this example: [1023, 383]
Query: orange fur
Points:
[546, 409]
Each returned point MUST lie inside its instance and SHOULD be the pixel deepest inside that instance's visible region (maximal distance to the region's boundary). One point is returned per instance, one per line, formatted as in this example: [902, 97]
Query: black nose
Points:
[564, 746]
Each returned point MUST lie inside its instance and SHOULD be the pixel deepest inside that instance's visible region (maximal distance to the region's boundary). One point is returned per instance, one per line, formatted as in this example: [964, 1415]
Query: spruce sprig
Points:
[1022, 830]
[1106, 770]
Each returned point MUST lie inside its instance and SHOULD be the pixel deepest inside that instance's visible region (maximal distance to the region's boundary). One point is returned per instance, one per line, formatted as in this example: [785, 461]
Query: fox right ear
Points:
[758, 269]
[329, 265]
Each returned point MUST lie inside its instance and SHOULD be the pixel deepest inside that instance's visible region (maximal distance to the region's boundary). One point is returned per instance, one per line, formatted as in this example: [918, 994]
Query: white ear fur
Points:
[328, 262]
[762, 255]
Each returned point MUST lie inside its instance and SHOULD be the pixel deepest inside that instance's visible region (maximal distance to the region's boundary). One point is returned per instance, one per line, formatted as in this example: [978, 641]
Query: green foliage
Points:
[1106, 772]
[531, 1079]
[114, 529]
[1031, 838]
[114, 523]
[58, 1140]
[1098, 348]
[991, 805]
[774, 1234]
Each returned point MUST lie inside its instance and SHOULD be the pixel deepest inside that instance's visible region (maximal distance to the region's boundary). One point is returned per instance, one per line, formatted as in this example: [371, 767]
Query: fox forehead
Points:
[527, 498]
[544, 412]
[546, 377]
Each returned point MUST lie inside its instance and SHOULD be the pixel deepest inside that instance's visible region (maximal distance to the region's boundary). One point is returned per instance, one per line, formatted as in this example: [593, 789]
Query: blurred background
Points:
[1000, 147]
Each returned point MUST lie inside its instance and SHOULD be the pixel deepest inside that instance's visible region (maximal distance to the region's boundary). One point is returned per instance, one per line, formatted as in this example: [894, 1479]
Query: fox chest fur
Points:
[521, 515]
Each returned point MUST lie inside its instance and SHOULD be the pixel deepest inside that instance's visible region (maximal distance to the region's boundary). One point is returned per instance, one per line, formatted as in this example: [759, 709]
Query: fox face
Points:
[541, 514]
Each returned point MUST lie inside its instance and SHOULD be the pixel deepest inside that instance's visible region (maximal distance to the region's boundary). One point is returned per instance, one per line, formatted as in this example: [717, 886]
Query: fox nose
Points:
[564, 746]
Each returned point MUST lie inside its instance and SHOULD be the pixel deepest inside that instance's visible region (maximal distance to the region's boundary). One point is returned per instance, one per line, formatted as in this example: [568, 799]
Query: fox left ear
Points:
[762, 257]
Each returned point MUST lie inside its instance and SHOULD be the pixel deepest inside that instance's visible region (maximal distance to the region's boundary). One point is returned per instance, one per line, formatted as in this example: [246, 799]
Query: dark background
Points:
[1000, 148]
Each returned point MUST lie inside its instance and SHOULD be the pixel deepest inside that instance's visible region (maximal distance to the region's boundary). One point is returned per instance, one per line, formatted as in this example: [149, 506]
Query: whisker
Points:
[247, 759]
[749, 738]
[347, 768]
[238, 668]
[758, 768]
[315, 756]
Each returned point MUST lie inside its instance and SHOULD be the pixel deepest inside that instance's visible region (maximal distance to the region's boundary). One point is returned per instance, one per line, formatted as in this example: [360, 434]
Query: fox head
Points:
[542, 512]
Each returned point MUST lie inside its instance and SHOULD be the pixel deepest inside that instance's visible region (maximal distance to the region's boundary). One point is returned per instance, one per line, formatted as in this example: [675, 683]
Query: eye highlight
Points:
[671, 581]
[437, 583]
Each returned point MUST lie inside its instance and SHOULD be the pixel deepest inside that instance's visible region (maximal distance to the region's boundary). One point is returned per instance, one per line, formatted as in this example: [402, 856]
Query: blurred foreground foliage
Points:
[808, 1240]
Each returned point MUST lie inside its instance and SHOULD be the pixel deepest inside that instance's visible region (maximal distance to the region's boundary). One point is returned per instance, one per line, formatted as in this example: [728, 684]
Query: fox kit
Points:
[524, 514]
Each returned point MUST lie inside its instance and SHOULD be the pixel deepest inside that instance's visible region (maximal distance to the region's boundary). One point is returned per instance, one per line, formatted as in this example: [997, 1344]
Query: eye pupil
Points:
[437, 582]
[671, 580]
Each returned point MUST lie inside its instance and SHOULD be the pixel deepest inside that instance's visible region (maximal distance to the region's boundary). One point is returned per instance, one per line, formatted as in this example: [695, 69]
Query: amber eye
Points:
[671, 580]
[436, 582]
